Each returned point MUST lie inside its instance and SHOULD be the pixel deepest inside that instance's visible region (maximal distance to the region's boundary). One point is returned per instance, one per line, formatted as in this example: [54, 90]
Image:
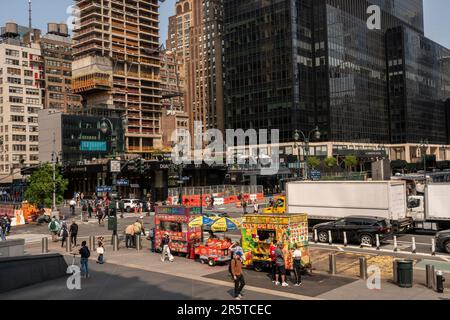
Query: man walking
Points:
[238, 277]
[54, 228]
[165, 248]
[281, 269]
[3, 229]
[85, 254]
[73, 233]
[72, 204]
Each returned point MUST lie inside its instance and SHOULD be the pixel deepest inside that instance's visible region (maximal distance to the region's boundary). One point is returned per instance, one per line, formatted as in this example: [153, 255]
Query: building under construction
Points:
[116, 65]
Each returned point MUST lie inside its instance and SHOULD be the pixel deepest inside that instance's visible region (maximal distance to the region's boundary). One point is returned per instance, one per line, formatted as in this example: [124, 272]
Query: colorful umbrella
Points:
[224, 224]
[200, 221]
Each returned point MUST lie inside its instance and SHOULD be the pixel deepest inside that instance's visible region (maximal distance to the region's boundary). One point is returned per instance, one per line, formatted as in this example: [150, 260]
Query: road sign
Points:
[123, 182]
[315, 175]
[104, 189]
[115, 166]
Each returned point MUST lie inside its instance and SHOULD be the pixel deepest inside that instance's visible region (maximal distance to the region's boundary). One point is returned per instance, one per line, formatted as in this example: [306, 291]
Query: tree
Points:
[331, 162]
[313, 162]
[350, 162]
[40, 188]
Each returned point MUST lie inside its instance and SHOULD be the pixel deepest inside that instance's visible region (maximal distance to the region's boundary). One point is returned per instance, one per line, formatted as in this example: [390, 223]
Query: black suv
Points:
[359, 229]
[443, 241]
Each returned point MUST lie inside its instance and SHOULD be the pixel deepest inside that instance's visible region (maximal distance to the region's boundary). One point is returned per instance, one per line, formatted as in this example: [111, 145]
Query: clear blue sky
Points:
[437, 15]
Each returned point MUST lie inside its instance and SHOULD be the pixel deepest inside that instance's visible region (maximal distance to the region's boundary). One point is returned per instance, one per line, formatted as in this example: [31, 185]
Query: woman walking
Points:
[297, 256]
[64, 234]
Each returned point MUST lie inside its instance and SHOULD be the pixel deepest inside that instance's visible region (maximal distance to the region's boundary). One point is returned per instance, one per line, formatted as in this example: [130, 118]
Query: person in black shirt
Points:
[73, 233]
[85, 254]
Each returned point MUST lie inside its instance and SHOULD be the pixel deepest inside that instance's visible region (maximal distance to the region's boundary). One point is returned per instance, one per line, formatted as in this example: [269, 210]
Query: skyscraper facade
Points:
[116, 65]
[297, 64]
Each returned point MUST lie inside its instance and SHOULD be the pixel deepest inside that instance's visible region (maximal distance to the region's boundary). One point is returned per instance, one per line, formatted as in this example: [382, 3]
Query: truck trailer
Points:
[332, 200]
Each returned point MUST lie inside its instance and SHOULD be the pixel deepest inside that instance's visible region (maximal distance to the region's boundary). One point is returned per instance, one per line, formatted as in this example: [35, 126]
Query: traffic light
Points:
[140, 165]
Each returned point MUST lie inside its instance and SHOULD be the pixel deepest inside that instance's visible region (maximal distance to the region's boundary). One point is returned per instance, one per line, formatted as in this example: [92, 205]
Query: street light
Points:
[423, 147]
[180, 175]
[306, 139]
[105, 126]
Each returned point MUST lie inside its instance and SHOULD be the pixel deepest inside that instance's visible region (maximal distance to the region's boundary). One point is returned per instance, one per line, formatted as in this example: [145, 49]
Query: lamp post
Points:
[423, 147]
[105, 126]
[180, 175]
[306, 139]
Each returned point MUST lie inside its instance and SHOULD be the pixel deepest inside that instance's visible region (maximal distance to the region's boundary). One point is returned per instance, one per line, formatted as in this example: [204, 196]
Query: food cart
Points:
[175, 221]
[214, 251]
[259, 231]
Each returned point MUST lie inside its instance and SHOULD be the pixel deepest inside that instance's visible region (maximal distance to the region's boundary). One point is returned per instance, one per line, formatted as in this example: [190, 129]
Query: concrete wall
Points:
[19, 272]
[12, 248]
[49, 123]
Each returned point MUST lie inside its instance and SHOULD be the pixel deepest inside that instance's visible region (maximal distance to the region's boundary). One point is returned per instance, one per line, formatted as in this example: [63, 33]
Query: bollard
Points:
[45, 245]
[433, 247]
[92, 243]
[138, 242]
[345, 239]
[395, 244]
[413, 248]
[440, 281]
[68, 245]
[316, 238]
[378, 241]
[330, 239]
[430, 273]
[332, 263]
[363, 268]
[394, 271]
[115, 242]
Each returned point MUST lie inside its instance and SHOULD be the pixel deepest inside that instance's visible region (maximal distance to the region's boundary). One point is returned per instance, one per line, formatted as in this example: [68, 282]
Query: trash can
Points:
[405, 273]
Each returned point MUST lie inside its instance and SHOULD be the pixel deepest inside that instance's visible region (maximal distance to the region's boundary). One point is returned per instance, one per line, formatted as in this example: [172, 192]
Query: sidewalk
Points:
[318, 286]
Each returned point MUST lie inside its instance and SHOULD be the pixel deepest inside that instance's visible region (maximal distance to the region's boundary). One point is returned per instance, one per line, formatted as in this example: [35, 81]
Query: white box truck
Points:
[432, 210]
[332, 200]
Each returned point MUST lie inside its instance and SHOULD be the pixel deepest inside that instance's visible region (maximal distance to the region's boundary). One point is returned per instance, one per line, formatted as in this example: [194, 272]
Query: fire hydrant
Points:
[440, 281]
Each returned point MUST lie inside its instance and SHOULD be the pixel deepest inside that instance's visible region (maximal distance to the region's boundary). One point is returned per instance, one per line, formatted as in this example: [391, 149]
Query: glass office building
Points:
[419, 86]
[295, 64]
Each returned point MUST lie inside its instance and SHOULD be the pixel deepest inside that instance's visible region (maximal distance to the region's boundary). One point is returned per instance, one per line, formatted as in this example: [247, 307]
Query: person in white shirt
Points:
[297, 263]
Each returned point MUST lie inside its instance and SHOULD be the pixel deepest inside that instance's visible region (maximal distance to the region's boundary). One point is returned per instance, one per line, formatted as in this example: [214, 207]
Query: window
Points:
[17, 118]
[25, 55]
[28, 82]
[34, 138]
[16, 99]
[32, 120]
[34, 148]
[34, 157]
[12, 53]
[12, 62]
[14, 71]
[32, 101]
[14, 80]
[28, 73]
[18, 137]
[34, 92]
[17, 109]
[16, 90]
[19, 147]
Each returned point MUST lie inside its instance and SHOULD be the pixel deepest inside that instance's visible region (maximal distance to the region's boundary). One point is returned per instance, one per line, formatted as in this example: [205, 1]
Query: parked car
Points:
[359, 229]
[130, 204]
[443, 241]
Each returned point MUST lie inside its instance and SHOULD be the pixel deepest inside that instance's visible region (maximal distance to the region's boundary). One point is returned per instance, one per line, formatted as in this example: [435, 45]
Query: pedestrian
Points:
[244, 205]
[138, 229]
[99, 214]
[234, 248]
[255, 207]
[121, 207]
[165, 242]
[297, 264]
[100, 251]
[280, 264]
[238, 276]
[84, 208]
[85, 254]
[272, 249]
[212, 202]
[72, 204]
[54, 228]
[73, 233]
[149, 207]
[64, 234]
[90, 209]
[151, 237]
[129, 235]
[3, 229]
[8, 224]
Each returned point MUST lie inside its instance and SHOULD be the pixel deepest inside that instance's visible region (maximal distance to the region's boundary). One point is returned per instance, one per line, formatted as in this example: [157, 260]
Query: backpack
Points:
[53, 225]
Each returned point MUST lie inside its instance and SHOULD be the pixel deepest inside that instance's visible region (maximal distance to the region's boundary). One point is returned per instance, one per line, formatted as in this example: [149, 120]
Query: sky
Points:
[437, 15]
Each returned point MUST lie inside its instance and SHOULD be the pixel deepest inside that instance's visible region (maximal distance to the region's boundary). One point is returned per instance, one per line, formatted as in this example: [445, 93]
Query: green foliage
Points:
[331, 162]
[350, 162]
[40, 188]
[313, 162]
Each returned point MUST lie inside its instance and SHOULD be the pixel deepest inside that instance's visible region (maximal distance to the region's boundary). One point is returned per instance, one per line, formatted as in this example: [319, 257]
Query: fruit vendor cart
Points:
[259, 231]
[214, 251]
[174, 220]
